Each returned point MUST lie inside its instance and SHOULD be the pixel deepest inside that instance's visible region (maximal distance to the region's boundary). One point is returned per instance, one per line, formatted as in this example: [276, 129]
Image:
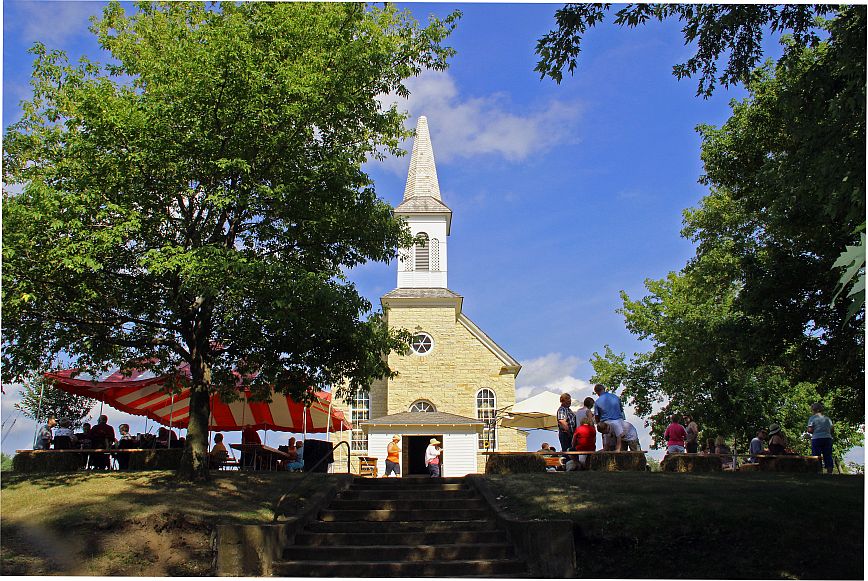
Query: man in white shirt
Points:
[630, 439]
[432, 458]
[613, 434]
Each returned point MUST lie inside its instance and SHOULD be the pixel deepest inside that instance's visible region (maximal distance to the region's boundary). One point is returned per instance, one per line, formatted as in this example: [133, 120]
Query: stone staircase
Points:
[403, 527]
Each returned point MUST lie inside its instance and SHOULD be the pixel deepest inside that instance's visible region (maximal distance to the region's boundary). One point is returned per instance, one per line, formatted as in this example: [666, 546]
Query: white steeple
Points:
[424, 265]
[422, 177]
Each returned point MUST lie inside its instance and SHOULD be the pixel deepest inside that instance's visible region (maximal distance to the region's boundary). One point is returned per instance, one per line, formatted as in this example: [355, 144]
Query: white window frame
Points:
[422, 353]
[422, 403]
[360, 412]
[486, 412]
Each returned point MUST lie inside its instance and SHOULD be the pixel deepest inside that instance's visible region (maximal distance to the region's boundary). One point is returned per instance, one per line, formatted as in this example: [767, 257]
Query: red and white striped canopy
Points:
[144, 394]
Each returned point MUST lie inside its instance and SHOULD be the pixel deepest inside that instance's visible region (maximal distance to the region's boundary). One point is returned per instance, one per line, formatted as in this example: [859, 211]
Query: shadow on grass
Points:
[711, 526]
[102, 507]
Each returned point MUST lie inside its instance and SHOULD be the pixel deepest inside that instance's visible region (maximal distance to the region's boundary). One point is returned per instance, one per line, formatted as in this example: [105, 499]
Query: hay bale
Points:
[617, 461]
[28, 461]
[799, 464]
[691, 463]
[156, 459]
[514, 464]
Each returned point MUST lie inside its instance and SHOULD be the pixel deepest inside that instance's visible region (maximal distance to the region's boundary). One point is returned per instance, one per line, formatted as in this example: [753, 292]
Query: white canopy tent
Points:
[538, 412]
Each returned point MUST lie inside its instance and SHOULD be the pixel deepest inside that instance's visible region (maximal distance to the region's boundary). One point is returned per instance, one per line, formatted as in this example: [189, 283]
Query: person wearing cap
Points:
[777, 441]
[757, 445]
[393, 456]
[432, 458]
[821, 430]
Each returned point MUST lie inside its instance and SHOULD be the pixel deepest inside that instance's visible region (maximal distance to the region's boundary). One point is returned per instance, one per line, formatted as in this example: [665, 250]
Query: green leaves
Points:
[733, 29]
[852, 260]
[199, 198]
[750, 331]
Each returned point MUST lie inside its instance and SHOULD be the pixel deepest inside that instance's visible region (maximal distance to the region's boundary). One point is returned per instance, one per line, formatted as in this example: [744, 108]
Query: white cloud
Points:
[53, 23]
[466, 127]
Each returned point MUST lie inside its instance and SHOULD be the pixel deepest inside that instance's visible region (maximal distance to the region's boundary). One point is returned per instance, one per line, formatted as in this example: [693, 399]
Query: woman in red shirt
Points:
[584, 440]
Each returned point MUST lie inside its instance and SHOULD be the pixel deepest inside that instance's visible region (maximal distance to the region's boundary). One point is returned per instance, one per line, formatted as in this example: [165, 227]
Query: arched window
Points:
[422, 406]
[422, 251]
[435, 255]
[486, 406]
[360, 412]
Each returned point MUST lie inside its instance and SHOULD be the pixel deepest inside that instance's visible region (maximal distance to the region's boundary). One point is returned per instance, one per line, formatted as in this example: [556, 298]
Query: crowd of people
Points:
[577, 432]
[58, 435]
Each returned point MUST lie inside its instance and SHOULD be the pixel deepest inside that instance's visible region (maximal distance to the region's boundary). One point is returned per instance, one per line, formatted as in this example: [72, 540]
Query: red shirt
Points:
[585, 438]
[675, 435]
[249, 436]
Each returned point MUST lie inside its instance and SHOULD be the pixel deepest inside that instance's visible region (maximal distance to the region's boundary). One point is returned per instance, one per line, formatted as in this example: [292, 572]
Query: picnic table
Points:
[261, 454]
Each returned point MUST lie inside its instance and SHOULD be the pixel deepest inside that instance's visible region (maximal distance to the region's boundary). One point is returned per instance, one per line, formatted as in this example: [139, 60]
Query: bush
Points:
[514, 464]
[691, 463]
[617, 461]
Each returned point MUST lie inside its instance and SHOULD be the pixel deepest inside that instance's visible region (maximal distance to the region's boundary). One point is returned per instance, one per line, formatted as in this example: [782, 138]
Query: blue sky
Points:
[562, 195]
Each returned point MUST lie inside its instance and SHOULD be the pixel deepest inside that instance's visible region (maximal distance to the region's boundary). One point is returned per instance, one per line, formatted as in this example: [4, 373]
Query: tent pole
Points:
[171, 413]
[304, 424]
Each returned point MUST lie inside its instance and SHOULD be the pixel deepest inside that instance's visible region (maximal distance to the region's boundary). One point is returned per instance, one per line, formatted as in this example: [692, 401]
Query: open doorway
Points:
[414, 454]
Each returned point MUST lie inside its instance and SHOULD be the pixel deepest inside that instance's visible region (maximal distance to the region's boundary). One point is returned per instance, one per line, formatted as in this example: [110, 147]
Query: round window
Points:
[421, 343]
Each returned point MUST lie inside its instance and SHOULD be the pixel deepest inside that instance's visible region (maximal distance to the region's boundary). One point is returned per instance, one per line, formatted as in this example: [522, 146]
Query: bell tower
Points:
[425, 264]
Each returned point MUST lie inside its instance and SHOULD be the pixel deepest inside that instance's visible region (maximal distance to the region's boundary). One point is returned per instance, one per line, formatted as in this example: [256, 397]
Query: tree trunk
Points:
[194, 460]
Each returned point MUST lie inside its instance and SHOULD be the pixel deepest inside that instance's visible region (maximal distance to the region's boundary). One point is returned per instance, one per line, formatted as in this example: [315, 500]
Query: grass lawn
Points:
[723, 526]
[134, 523]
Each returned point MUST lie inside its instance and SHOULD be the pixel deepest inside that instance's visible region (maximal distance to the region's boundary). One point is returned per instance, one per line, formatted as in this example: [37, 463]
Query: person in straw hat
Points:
[777, 441]
[432, 458]
[393, 456]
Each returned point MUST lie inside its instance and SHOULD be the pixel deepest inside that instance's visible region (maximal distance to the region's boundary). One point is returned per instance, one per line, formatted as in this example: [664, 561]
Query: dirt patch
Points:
[159, 545]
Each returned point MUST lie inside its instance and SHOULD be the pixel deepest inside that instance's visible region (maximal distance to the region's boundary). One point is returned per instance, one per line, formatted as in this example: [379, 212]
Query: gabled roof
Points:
[421, 293]
[510, 364]
[422, 205]
[423, 419]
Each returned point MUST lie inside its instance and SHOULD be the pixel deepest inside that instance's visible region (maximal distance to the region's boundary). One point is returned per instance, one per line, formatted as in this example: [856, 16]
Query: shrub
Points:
[514, 464]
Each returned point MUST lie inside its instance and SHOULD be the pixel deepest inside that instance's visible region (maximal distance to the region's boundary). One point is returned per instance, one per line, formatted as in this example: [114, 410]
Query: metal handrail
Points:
[311, 471]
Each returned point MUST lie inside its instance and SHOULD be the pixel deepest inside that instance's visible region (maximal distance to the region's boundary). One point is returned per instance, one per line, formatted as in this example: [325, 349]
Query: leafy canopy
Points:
[198, 197]
[749, 331]
[717, 29]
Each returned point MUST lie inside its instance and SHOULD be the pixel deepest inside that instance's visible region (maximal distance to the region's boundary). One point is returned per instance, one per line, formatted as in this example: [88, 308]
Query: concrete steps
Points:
[403, 527]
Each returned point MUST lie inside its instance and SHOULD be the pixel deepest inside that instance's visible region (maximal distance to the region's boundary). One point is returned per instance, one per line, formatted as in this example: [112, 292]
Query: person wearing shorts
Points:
[393, 455]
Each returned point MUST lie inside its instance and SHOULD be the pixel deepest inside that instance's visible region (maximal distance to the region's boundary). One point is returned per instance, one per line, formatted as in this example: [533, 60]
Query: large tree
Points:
[199, 197]
[750, 331]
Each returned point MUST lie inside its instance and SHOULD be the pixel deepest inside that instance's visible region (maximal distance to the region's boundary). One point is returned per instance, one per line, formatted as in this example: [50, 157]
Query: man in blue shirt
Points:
[609, 409]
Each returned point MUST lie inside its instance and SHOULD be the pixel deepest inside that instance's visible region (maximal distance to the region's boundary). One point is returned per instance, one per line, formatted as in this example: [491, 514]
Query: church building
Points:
[455, 377]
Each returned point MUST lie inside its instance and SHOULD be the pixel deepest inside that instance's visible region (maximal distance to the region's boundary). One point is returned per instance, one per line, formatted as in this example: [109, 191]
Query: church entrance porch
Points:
[414, 453]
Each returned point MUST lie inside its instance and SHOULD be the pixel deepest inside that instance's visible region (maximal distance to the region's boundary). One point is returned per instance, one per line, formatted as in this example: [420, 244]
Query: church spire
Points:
[422, 178]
